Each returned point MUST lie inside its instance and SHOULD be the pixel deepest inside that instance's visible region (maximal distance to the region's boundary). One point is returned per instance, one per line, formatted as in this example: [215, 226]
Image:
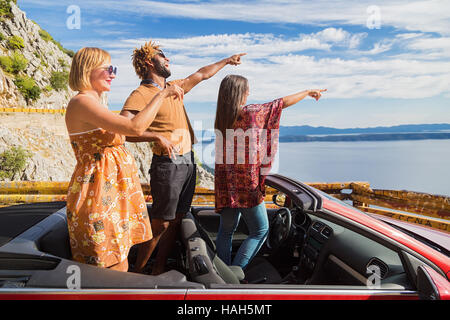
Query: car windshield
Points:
[325, 195]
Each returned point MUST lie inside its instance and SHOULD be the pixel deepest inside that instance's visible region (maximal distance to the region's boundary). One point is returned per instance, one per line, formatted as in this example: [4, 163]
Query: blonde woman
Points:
[106, 211]
[241, 167]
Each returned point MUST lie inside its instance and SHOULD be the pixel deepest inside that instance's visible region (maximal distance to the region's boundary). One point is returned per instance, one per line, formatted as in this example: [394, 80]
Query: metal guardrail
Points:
[15, 192]
[32, 110]
[36, 110]
[421, 208]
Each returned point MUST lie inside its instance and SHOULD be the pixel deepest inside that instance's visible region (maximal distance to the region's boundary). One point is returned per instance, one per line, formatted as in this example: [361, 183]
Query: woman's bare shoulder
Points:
[76, 111]
[81, 101]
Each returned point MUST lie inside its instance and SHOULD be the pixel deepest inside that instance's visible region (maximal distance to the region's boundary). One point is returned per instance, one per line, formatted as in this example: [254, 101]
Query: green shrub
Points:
[62, 63]
[6, 63]
[45, 64]
[34, 93]
[14, 64]
[5, 9]
[12, 161]
[27, 86]
[69, 52]
[19, 62]
[16, 42]
[58, 44]
[2, 36]
[45, 35]
[59, 80]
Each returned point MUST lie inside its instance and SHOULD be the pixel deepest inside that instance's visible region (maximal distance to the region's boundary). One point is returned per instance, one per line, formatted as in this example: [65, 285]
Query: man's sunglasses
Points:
[111, 70]
[161, 53]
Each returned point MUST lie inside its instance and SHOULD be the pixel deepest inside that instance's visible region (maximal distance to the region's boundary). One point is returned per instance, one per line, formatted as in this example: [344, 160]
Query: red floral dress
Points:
[244, 157]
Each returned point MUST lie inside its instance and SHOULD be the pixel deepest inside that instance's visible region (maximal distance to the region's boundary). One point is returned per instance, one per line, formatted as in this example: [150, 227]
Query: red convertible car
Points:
[318, 248]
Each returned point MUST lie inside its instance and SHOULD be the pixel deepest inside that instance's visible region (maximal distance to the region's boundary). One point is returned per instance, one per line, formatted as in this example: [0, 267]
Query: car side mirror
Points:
[279, 199]
[431, 285]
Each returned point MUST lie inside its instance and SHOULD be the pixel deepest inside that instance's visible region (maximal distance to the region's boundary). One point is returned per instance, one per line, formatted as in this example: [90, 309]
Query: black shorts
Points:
[172, 183]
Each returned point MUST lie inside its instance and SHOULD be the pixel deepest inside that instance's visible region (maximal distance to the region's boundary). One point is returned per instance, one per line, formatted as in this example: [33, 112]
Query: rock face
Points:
[44, 57]
[45, 136]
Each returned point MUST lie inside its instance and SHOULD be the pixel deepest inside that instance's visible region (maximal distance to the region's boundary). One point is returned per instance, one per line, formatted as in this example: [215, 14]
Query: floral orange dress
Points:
[106, 210]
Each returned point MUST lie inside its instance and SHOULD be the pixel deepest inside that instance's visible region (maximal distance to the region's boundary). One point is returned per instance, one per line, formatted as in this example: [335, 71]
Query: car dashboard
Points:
[330, 254]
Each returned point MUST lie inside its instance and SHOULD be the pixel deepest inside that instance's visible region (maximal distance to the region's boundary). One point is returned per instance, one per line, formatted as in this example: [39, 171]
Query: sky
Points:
[384, 63]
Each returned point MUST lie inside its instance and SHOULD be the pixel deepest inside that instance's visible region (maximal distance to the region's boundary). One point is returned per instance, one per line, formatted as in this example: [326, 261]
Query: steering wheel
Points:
[280, 228]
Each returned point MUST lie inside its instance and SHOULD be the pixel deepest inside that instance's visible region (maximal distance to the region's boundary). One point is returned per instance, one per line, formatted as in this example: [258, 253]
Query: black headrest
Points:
[192, 228]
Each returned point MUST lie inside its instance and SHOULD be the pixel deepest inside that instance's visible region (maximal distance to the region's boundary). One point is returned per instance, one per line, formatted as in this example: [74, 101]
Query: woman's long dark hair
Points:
[231, 95]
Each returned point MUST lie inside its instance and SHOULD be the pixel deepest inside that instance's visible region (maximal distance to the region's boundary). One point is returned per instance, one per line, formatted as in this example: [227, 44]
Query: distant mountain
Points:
[301, 133]
[368, 137]
[407, 128]
[309, 134]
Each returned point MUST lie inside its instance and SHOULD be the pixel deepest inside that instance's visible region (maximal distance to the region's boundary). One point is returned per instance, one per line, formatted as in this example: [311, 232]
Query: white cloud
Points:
[378, 48]
[428, 16]
[258, 45]
[411, 63]
[340, 37]
[275, 66]
[418, 15]
[434, 46]
[406, 36]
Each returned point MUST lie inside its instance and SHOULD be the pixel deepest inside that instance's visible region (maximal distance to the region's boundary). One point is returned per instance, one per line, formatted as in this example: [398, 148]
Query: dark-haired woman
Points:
[241, 165]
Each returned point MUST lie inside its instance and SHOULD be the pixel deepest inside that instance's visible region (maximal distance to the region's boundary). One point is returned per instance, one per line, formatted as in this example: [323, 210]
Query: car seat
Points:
[207, 268]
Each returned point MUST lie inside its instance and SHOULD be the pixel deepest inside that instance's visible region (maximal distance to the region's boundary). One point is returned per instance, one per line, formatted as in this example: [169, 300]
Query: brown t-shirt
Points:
[171, 121]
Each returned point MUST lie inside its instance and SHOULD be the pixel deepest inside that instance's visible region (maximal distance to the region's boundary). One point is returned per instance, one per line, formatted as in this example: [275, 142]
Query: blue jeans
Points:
[258, 226]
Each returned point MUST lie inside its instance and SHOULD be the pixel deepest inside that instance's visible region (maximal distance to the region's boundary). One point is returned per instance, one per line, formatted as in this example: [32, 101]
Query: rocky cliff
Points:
[33, 66]
[34, 74]
[52, 158]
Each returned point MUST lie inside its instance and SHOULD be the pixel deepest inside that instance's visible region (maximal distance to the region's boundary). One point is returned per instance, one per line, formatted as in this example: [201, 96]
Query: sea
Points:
[419, 165]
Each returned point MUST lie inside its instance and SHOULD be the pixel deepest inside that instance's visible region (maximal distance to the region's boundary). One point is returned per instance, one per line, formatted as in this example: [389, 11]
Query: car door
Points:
[300, 292]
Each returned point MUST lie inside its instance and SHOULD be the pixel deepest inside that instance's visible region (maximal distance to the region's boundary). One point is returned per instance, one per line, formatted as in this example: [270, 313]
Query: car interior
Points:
[304, 249]
[301, 250]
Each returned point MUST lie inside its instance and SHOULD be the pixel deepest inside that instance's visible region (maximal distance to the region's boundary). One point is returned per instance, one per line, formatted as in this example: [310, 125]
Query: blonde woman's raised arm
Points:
[86, 109]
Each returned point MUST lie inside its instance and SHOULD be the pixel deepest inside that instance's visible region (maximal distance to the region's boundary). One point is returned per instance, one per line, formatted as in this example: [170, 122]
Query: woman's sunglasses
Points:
[111, 70]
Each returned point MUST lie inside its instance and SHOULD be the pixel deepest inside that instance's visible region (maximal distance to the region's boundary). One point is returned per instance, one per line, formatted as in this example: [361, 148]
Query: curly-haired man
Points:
[172, 172]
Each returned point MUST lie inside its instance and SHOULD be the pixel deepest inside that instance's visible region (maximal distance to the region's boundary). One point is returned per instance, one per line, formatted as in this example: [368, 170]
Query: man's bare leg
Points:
[167, 244]
[146, 249]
